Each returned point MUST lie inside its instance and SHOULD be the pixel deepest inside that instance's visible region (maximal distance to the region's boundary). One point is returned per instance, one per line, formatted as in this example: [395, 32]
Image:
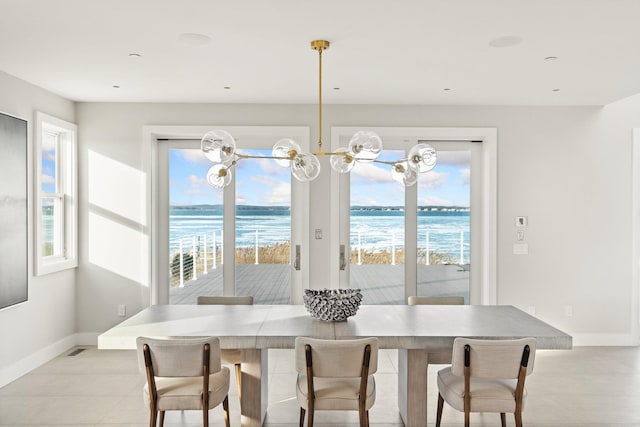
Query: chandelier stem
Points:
[320, 102]
[320, 46]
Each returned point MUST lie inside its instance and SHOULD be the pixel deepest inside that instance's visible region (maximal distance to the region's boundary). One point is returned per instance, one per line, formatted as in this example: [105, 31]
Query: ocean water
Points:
[448, 231]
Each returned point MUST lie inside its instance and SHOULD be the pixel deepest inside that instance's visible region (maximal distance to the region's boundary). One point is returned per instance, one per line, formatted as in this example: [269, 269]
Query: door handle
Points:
[343, 258]
[296, 263]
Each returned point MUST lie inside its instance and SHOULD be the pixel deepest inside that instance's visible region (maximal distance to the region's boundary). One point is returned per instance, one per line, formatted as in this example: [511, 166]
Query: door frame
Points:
[483, 289]
[158, 197]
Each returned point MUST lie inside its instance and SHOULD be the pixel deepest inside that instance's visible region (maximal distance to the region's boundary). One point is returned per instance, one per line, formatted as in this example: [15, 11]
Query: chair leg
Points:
[302, 411]
[466, 418]
[225, 407]
[239, 379]
[161, 418]
[205, 416]
[362, 417]
[153, 416]
[310, 417]
[518, 416]
[366, 417]
[439, 413]
[503, 419]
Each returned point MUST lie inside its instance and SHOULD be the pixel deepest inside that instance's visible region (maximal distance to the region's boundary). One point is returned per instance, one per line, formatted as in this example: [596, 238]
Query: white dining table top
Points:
[276, 326]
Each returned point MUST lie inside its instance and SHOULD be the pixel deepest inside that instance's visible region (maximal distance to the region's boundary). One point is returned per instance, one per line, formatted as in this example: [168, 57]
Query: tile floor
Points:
[586, 386]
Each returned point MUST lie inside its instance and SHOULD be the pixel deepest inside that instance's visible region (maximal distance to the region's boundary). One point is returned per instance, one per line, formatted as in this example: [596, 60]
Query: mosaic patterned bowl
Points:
[332, 304]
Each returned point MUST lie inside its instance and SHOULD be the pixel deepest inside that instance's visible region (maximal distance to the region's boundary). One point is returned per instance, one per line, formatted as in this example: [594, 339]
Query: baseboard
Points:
[27, 364]
[605, 340]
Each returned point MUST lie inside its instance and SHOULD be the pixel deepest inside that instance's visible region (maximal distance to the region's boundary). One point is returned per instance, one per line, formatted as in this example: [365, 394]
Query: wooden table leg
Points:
[255, 382]
[412, 386]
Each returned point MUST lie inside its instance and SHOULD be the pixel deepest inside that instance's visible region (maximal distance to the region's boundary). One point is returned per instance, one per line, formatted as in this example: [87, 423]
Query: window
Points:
[56, 195]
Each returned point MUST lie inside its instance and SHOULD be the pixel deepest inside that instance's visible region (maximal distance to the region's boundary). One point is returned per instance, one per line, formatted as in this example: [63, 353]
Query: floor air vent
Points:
[76, 352]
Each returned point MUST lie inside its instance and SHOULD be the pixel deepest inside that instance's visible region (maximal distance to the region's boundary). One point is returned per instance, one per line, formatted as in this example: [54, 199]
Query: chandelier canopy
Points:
[219, 146]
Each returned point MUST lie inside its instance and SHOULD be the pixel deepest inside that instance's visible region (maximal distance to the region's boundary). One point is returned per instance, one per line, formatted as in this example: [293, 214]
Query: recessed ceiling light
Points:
[194, 38]
[134, 55]
[551, 58]
[227, 87]
[115, 87]
[336, 88]
[506, 41]
[447, 88]
[555, 90]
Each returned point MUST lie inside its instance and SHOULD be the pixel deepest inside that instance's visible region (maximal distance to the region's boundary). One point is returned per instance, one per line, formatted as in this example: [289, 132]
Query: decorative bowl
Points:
[332, 304]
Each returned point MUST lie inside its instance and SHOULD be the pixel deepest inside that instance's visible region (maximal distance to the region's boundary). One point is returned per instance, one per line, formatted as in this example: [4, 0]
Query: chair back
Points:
[336, 358]
[225, 300]
[495, 359]
[413, 300]
[181, 357]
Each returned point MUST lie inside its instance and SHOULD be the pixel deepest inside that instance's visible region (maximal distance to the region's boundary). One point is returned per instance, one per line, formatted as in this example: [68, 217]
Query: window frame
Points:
[66, 164]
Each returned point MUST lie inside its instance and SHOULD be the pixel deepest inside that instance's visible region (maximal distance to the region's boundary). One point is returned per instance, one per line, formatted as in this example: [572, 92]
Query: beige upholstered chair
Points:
[487, 376]
[229, 356]
[413, 300]
[336, 375]
[178, 370]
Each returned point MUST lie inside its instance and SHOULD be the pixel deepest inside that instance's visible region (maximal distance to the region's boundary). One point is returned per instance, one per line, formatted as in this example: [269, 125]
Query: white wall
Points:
[567, 168]
[39, 329]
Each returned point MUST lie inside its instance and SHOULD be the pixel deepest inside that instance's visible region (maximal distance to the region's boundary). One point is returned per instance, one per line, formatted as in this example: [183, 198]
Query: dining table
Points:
[422, 334]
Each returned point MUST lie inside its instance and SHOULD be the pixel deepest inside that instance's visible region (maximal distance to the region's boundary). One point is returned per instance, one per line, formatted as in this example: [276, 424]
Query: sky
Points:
[263, 182]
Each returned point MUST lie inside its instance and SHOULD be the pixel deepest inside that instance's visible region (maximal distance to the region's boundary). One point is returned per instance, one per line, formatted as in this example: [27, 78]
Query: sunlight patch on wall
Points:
[118, 248]
[117, 188]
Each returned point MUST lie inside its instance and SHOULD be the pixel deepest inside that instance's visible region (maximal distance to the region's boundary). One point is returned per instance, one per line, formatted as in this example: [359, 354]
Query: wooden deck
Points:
[380, 284]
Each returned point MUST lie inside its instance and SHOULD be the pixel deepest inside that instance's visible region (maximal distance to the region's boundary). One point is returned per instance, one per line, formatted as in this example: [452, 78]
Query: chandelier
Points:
[219, 147]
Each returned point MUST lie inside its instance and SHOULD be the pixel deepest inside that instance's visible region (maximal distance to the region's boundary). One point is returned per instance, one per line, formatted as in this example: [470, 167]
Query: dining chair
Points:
[336, 375]
[229, 356]
[414, 300]
[487, 376]
[178, 371]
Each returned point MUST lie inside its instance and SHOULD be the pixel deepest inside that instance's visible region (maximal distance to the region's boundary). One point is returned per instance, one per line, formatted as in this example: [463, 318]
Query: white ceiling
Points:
[382, 51]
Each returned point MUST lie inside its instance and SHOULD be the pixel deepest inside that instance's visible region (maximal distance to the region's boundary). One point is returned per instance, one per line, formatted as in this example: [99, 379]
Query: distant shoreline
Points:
[426, 208]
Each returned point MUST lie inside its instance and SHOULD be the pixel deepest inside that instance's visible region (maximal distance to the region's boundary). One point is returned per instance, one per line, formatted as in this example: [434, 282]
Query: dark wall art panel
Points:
[13, 211]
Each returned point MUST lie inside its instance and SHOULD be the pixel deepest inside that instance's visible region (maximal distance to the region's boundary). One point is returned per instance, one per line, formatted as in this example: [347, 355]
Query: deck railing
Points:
[204, 251]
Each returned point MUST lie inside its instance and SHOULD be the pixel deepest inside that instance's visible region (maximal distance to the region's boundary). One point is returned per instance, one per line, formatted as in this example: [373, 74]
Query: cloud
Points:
[270, 167]
[280, 194]
[194, 156]
[454, 158]
[198, 186]
[370, 173]
[47, 179]
[49, 155]
[197, 181]
[465, 176]
[432, 179]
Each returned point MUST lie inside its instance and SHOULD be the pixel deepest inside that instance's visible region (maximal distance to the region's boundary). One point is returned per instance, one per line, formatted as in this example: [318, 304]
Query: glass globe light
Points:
[283, 148]
[365, 146]
[218, 146]
[305, 167]
[218, 176]
[422, 157]
[402, 173]
[342, 163]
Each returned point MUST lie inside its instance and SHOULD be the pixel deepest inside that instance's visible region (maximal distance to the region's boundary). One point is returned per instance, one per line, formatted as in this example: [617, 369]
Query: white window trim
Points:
[68, 175]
